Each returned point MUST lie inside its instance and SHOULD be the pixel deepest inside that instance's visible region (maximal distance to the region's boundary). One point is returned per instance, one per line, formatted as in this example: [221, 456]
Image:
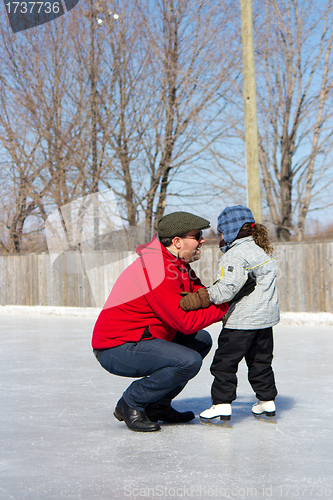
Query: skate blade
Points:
[268, 420]
[208, 421]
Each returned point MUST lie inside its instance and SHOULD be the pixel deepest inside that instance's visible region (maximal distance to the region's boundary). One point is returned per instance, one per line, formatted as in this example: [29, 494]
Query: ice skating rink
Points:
[59, 439]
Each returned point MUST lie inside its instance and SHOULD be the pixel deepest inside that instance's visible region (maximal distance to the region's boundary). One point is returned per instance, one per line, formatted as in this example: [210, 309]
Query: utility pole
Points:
[250, 110]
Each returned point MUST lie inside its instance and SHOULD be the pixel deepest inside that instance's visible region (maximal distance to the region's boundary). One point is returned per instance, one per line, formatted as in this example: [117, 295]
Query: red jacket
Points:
[147, 294]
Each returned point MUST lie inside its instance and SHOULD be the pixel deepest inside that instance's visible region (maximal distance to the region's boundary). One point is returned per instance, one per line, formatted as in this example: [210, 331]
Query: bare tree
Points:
[160, 99]
[127, 99]
[21, 192]
[43, 121]
[294, 84]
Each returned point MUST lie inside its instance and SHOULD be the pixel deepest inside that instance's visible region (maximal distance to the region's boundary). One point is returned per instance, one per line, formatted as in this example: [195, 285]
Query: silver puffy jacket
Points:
[260, 309]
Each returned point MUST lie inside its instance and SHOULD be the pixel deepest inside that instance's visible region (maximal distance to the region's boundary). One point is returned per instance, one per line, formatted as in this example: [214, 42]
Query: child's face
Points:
[222, 242]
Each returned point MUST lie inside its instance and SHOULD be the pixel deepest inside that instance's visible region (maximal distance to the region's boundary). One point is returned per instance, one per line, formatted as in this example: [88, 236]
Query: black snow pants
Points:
[233, 345]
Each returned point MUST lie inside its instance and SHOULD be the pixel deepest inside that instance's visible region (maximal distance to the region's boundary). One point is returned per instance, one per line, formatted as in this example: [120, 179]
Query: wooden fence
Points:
[305, 278]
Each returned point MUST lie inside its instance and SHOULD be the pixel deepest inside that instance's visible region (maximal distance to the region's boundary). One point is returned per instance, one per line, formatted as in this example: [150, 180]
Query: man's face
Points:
[189, 246]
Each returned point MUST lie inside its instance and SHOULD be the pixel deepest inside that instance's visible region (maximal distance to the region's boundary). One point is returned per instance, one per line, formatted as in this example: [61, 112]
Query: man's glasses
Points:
[198, 236]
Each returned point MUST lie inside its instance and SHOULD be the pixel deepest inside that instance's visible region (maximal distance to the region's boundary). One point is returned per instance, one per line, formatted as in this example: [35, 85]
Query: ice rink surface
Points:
[59, 439]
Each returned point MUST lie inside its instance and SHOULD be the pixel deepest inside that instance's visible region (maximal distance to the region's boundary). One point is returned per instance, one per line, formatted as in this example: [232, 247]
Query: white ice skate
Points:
[264, 408]
[222, 410]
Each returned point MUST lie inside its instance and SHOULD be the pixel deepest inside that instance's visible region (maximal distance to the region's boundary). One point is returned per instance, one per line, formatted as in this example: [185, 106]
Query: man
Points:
[142, 331]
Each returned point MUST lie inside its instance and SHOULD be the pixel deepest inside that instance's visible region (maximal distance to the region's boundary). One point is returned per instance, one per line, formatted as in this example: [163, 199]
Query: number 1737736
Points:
[32, 7]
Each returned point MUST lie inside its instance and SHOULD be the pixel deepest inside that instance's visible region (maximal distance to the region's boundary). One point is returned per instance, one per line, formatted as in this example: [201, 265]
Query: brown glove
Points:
[190, 301]
[195, 301]
[204, 297]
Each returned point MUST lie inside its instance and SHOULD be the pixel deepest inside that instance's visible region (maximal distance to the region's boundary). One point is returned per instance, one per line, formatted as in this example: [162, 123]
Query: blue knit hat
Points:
[231, 220]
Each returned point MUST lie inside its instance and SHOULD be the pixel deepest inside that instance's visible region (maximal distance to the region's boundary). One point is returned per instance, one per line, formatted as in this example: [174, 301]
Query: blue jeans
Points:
[165, 366]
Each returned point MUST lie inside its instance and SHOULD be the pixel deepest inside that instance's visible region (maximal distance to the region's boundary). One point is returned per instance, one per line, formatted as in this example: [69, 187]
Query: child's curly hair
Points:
[260, 236]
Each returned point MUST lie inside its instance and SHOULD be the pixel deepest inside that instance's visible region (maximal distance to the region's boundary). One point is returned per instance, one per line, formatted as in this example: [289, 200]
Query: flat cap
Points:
[179, 223]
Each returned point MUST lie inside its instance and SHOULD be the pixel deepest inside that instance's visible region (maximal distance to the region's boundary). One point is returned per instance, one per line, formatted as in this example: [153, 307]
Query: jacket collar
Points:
[225, 248]
[155, 246]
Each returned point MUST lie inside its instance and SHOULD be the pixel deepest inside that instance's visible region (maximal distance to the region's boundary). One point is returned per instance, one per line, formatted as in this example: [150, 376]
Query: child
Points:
[247, 330]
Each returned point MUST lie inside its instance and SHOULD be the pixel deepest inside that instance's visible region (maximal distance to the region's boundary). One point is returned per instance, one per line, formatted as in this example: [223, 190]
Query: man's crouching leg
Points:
[165, 366]
[177, 365]
[162, 410]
